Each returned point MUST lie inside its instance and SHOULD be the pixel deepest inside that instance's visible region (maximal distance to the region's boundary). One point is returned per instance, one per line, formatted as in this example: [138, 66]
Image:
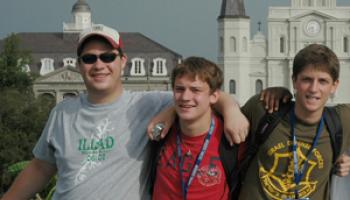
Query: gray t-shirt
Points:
[100, 150]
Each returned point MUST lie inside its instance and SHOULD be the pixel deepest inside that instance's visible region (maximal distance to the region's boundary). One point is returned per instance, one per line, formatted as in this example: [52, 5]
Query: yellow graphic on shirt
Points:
[280, 185]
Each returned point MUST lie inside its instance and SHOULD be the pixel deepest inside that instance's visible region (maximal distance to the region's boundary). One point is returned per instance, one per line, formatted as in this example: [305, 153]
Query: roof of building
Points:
[58, 45]
[41, 42]
[232, 9]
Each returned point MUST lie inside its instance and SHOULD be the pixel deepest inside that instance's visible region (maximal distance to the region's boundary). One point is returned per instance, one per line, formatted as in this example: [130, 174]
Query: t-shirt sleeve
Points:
[43, 149]
[159, 99]
[254, 110]
[344, 113]
[166, 99]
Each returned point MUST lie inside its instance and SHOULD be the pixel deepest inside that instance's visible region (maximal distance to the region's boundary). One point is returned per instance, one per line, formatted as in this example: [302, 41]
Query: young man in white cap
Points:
[97, 143]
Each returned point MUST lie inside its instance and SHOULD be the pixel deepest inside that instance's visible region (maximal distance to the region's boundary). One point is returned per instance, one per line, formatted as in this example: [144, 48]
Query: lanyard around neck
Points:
[199, 159]
[298, 175]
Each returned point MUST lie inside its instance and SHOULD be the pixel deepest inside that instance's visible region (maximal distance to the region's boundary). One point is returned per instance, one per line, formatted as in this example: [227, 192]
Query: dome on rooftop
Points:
[81, 6]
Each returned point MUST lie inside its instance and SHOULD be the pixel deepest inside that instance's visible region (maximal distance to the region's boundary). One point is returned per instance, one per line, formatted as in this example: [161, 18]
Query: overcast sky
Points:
[188, 27]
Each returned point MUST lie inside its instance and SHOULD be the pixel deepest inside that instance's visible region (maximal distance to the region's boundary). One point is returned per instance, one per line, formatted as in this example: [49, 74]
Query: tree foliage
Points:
[12, 62]
[22, 116]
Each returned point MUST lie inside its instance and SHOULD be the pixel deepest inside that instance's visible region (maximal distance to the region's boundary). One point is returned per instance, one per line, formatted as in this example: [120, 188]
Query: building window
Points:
[282, 44]
[295, 40]
[159, 67]
[26, 68]
[69, 95]
[258, 86]
[46, 66]
[245, 44]
[23, 64]
[232, 87]
[137, 67]
[233, 45]
[48, 98]
[69, 62]
[221, 44]
[332, 37]
[346, 44]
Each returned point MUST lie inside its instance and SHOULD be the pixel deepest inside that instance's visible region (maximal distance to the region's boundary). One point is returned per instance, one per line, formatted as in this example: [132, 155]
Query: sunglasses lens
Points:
[108, 57]
[89, 58]
[92, 58]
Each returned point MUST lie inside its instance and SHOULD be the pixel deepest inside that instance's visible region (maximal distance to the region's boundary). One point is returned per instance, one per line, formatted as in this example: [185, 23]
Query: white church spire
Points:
[232, 8]
[234, 47]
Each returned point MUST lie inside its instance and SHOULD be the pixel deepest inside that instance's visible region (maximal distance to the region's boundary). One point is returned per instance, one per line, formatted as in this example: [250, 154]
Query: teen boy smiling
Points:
[189, 165]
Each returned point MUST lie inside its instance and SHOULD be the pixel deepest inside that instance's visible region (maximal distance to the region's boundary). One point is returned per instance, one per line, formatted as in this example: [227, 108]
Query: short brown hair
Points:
[320, 57]
[197, 66]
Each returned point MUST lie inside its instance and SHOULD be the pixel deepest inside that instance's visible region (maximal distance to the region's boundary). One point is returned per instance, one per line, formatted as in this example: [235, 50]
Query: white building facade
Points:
[54, 58]
[250, 65]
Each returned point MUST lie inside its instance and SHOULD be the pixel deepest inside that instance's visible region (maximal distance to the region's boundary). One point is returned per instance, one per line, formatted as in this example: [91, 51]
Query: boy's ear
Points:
[335, 86]
[124, 59]
[214, 97]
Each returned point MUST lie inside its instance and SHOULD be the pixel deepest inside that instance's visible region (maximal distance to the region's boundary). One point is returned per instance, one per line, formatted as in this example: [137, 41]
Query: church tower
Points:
[233, 50]
[81, 17]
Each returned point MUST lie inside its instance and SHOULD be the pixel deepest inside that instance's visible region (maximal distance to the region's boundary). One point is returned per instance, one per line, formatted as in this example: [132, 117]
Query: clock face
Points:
[313, 27]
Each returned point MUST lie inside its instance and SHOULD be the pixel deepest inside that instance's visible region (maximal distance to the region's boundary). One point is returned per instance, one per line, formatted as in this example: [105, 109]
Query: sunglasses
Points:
[92, 58]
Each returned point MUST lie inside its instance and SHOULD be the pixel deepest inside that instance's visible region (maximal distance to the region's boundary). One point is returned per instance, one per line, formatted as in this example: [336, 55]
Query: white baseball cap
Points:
[111, 35]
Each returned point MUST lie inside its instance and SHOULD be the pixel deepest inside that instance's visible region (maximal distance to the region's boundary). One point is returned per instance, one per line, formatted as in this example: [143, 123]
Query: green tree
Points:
[22, 117]
[12, 61]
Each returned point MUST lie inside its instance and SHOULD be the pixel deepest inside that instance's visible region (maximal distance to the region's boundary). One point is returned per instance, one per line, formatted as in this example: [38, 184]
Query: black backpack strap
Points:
[229, 158]
[156, 147]
[269, 122]
[335, 130]
[265, 126]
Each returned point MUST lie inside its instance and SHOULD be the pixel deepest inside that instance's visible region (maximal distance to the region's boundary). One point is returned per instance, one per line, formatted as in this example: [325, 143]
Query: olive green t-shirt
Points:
[271, 172]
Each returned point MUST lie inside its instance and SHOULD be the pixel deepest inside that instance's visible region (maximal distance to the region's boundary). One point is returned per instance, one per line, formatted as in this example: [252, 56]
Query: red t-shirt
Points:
[210, 180]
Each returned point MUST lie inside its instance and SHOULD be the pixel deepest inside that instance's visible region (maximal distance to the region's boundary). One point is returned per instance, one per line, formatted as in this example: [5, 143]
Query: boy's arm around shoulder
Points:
[236, 125]
[31, 180]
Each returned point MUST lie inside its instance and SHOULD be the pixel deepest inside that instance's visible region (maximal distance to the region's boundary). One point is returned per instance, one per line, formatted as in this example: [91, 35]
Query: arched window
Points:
[159, 67]
[48, 99]
[282, 44]
[221, 44]
[232, 87]
[69, 95]
[346, 44]
[233, 45]
[258, 86]
[332, 37]
[69, 62]
[23, 63]
[137, 67]
[26, 68]
[245, 44]
[46, 66]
